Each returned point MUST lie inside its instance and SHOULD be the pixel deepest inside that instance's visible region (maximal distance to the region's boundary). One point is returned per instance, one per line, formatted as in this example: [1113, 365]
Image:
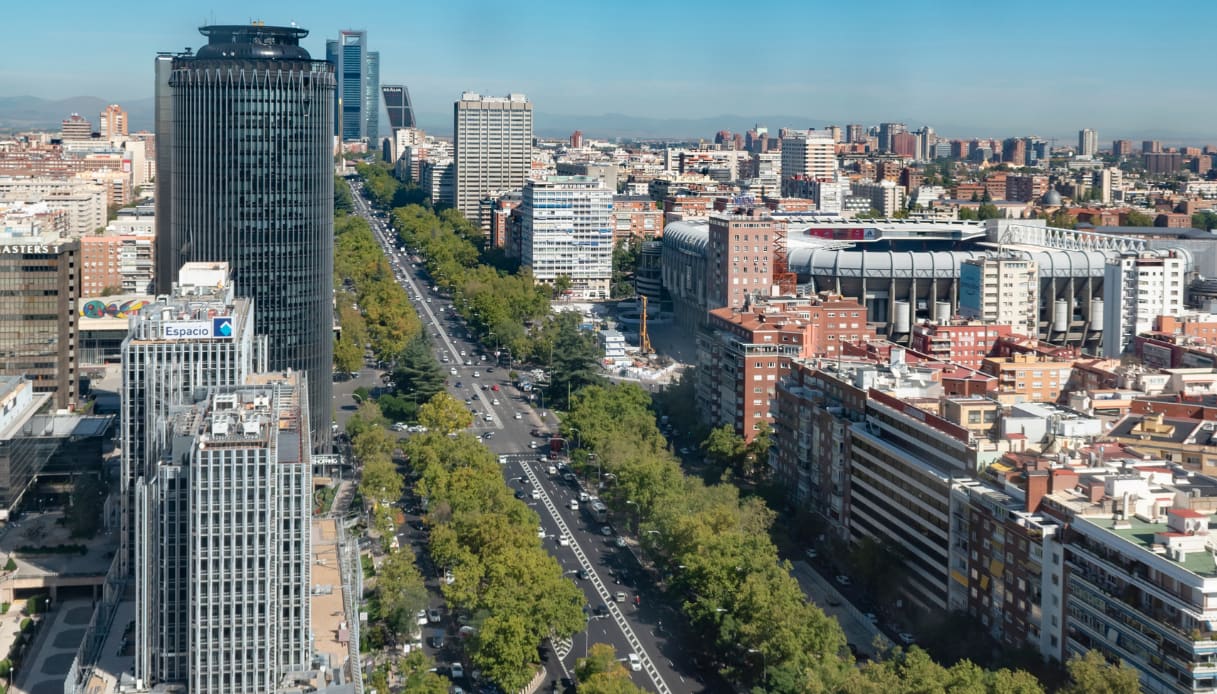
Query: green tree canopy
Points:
[1136, 218]
[401, 591]
[444, 414]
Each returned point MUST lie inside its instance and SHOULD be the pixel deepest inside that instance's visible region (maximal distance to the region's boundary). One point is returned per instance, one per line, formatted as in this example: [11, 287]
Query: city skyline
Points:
[894, 65]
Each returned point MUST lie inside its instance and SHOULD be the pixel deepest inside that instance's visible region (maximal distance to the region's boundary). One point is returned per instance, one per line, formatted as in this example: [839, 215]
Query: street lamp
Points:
[764, 662]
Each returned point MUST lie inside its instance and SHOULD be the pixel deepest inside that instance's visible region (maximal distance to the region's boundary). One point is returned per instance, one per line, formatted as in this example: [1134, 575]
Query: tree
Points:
[401, 591]
[1061, 219]
[723, 447]
[1092, 674]
[372, 443]
[602, 673]
[575, 359]
[417, 671]
[418, 375]
[343, 203]
[444, 414]
[562, 284]
[83, 515]
[967, 214]
[1206, 220]
[987, 210]
[1135, 218]
[754, 464]
[348, 356]
[380, 482]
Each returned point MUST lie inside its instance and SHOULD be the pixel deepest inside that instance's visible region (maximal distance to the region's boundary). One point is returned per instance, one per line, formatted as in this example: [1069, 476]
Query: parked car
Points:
[433, 616]
[457, 671]
[842, 579]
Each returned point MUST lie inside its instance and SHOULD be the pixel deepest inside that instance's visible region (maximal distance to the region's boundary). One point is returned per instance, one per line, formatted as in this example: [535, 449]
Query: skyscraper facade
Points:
[113, 122]
[245, 176]
[493, 145]
[356, 101]
[225, 537]
[176, 347]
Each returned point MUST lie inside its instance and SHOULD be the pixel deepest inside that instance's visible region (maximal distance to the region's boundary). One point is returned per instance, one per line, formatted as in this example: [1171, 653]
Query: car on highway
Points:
[906, 638]
[606, 531]
[601, 610]
[551, 470]
[574, 505]
[494, 387]
[489, 418]
[452, 371]
[517, 415]
[457, 671]
[842, 579]
[581, 574]
[541, 532]
[536, 494]
[532, 444]
[476, 374]
[564, 541]
[494, 402]
[620, 541]
[635, 662]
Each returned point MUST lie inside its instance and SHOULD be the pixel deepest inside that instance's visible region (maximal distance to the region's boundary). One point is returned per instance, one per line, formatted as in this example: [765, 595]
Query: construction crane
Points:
[644, 340]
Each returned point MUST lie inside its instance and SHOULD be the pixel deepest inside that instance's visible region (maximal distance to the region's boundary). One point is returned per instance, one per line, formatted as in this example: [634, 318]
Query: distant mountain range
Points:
[34, 113]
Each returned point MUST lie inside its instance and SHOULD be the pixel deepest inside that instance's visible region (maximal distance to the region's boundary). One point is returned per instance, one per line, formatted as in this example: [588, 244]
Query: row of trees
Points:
[372, 307]
[714, 550]
[514, 592]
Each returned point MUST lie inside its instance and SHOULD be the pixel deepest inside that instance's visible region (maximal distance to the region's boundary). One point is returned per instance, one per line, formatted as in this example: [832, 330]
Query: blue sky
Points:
[967, 68]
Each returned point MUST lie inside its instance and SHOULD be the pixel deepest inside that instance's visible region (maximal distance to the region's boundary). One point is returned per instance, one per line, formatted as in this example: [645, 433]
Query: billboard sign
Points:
[216, 328]
[969, 290]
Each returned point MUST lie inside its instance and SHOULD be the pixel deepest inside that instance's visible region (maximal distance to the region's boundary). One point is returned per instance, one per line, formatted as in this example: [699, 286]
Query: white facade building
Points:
[493, 147]
[438, 178]
[1088, 142]
[1004, 291]
[1137, 288]
[809, 154]
[568, 231]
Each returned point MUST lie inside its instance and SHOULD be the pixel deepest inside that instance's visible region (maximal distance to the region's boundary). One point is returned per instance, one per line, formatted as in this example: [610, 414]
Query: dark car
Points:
[601, 610]
[519, 493]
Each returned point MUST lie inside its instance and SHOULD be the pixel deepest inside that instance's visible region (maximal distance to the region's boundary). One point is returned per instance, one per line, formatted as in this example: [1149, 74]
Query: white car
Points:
[532, 444]
[494, 402]
[489, 418]
[634, 661]
[452, 371]
[536, 494]
[476, 374]
[541, 533]
[564, 541]
[574, 505]
[421, 618]
[457, 671]
[517, 416]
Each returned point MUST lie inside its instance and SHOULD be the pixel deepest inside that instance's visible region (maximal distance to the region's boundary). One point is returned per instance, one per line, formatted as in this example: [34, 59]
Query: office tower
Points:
[567, 231]
[358, 73]
[1121, 148]
[225, 543]
[112, 122]
[38, 327]
[246, 176]
[1137, 288]
[904, 145]
[75, 128]
[855, 133]
[175, 347]
[493, 147]
[1150, 146]
[1088, 142]
[809, 155]
[398, 106]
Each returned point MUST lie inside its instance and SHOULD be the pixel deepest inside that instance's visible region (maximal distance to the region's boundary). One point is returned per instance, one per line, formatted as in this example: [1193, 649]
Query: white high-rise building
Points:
[202, 336]
[1137, 288]
[808, 154]
[1003, 290]
[224, 534]
[1088, 142]
[492, 145]
[567, 231]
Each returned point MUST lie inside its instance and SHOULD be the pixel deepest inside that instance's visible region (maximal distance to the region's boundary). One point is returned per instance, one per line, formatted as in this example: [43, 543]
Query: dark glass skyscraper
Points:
[398, 106]
[245, 175]
[358, 72]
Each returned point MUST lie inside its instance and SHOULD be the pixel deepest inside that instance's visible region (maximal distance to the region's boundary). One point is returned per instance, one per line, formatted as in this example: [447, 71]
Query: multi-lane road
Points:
[622, 608]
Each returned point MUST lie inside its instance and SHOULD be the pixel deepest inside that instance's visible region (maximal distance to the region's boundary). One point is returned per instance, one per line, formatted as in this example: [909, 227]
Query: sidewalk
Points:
[54, 648]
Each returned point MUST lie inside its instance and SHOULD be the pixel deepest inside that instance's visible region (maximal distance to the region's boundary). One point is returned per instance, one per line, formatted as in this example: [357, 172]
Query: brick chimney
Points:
[1037, 488]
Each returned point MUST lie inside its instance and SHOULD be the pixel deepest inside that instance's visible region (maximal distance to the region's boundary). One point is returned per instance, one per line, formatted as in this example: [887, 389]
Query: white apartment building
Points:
[83, 201]
[1138, 288]
[1088, 142]
[438, 178]
[492, 146]
[1002, 290]
[885, 196]
[568, 231]
[809, 154]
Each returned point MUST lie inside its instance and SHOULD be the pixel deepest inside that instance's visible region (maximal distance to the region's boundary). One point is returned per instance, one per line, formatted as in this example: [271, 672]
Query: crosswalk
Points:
[562, 647]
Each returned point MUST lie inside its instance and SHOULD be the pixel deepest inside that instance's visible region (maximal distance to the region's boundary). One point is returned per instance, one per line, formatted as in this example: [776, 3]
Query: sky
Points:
[966, 68]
